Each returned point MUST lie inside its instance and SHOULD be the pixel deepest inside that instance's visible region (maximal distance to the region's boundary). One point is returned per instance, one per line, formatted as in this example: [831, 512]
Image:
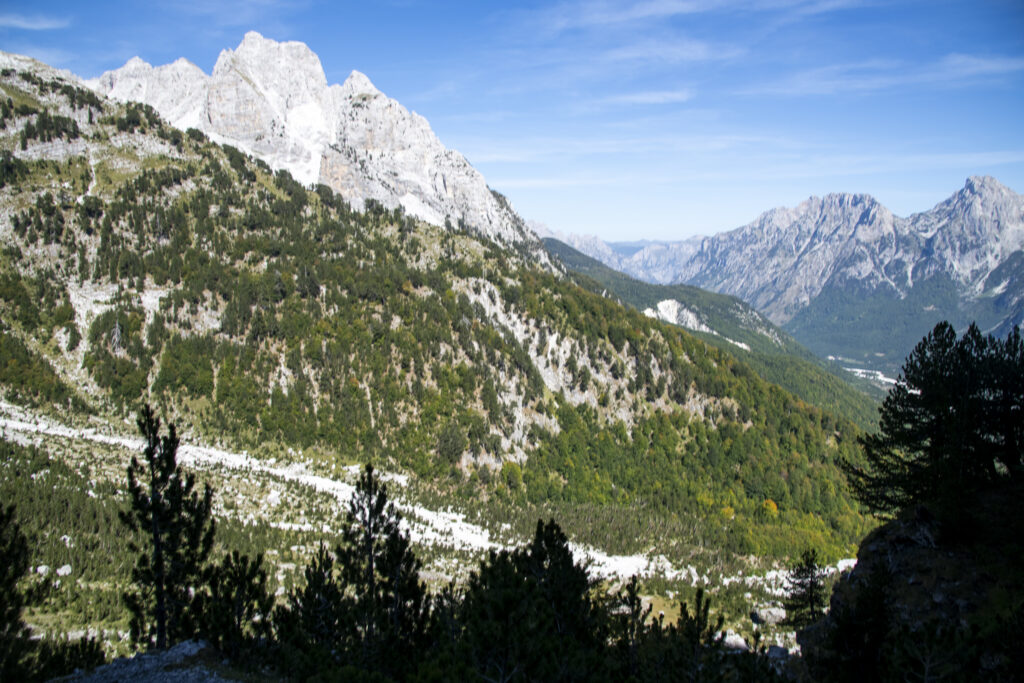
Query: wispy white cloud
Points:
[960, 66]
[237, 13]
[956, 70]
[651, 97]
[578, 15]
[545, 149]
[33, 23]
[674, 51]
[838, 165]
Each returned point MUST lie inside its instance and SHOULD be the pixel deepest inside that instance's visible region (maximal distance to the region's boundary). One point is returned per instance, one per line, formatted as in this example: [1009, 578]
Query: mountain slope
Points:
[733, 326]
[141, 264]
[272, 100]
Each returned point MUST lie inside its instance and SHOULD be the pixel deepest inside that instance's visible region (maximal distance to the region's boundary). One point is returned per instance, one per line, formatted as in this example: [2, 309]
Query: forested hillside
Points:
[736, 328]
[141, 263]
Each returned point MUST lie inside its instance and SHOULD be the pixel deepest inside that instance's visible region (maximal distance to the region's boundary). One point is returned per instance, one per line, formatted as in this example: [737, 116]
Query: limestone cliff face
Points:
[272, 100]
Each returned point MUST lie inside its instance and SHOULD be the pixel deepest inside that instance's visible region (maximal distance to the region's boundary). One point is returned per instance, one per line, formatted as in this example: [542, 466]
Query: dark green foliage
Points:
[178, 529]
[528, 614]
[877, 328]
[630, 627]
[117, 356]
[807, 596]
[12, 169]
[236, 604]
[77, 97]
[953, 424]
[363, 604]
[136, 117]
[451, 442]
[186, 365]
[308, 625]
[48, 126]
[647, 649]
[31, 377]
[71, 521]
[13, 632]
[17, 303]
[23, 658]
[57, 656]
[384, 610]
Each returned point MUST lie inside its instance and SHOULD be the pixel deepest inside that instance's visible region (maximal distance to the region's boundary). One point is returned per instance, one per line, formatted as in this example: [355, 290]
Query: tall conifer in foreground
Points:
[176, 523]
[807, 595]
[385, 609]
[952, 425]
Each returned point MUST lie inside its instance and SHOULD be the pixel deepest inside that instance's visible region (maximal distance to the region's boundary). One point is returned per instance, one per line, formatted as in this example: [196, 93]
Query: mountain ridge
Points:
[734, 326]
[842, 266]
[271, 99]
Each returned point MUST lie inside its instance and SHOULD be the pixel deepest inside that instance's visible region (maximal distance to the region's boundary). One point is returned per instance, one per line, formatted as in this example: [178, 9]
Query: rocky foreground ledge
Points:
[186, 662]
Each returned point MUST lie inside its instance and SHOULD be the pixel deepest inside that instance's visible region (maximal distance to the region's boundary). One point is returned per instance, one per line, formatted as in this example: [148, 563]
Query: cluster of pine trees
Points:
[363, 612]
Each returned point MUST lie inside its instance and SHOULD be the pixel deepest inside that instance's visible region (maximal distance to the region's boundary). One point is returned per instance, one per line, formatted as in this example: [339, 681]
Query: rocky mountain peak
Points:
[985, 185]
[137, 63]
[358, 83]
[271, 99]
[282, 67]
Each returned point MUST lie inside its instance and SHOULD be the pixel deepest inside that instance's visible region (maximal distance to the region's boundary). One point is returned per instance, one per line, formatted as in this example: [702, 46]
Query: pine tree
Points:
[236, 607]
[528, 614]
[313, 613]
[385, 610]
[952, 425]
[177, 526]
[806, 601]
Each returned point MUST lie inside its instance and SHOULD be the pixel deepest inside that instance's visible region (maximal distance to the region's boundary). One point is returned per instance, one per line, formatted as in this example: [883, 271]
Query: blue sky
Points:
[657, 119]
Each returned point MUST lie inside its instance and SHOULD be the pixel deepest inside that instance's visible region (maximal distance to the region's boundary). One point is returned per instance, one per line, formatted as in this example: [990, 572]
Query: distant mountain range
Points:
[849, 279]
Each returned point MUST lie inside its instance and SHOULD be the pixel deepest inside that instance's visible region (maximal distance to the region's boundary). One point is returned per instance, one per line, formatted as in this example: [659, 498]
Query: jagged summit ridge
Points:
[272, 100]
[783, 259]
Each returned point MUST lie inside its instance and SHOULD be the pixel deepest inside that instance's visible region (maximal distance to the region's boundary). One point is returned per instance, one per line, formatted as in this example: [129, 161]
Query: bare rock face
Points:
[176, 90]
[782, 260]
[272, 100]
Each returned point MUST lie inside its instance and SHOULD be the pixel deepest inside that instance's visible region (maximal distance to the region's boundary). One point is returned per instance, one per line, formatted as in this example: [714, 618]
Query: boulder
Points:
[768, 614]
